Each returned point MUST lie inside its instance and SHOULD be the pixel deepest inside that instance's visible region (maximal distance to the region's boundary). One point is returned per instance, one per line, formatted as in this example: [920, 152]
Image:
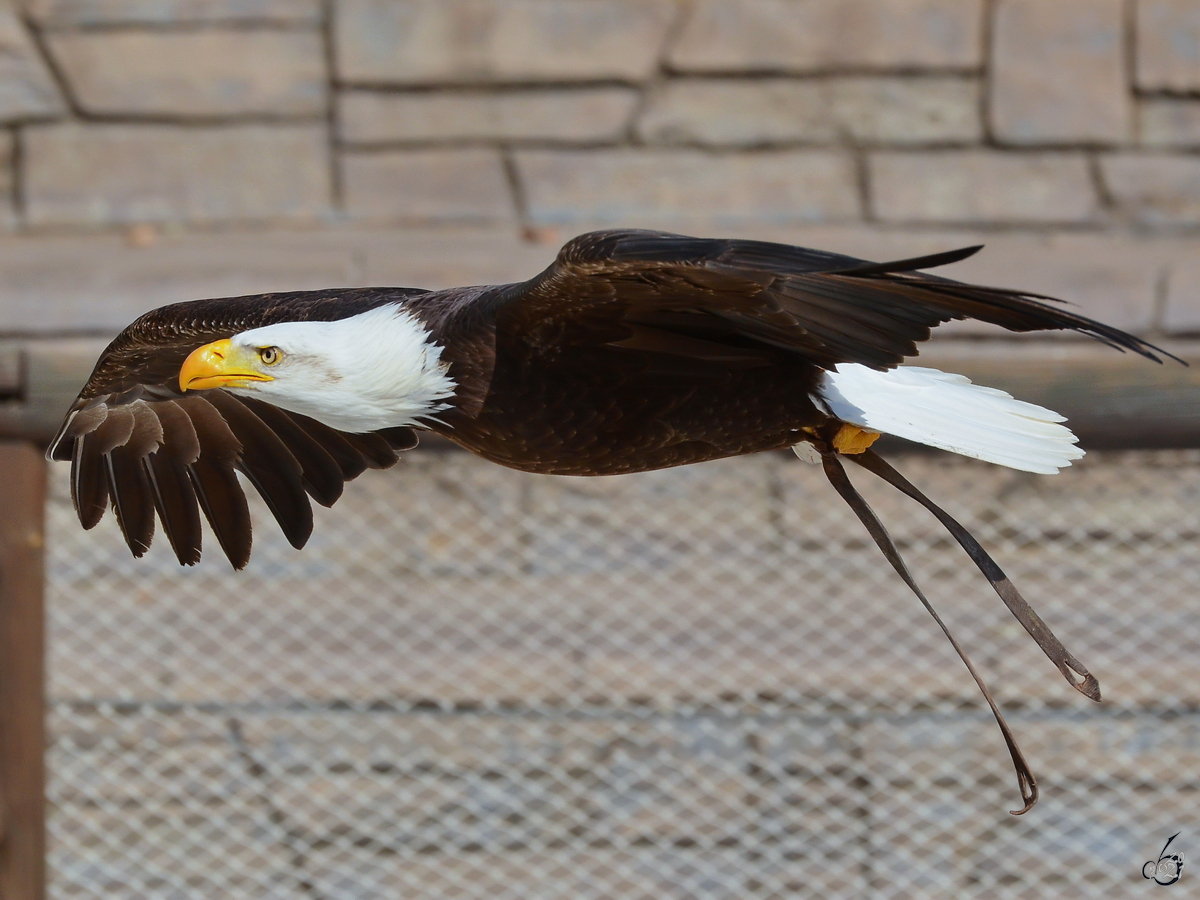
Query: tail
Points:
[949, 412]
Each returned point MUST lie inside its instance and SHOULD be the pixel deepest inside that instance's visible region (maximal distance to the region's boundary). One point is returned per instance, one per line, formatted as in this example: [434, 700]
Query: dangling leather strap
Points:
[1072, 669]
[841, 483]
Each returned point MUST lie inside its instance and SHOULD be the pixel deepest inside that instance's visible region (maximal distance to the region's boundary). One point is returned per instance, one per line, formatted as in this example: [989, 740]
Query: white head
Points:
[378, 369]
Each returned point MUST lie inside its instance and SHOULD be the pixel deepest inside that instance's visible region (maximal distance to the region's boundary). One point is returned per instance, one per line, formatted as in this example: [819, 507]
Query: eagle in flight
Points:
[634, 350]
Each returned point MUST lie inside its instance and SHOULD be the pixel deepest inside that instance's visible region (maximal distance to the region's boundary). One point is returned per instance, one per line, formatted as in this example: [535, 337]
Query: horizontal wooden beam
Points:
[1111, 399]
[50, 374]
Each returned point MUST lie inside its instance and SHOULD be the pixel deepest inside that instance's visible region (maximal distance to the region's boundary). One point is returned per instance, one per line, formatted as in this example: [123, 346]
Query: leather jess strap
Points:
[1074, 671]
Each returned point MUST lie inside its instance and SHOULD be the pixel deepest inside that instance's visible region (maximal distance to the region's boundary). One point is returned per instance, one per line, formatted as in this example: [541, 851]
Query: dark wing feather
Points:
[337, 444]
[133, 501]
[174, 497]
[270, 467]
[320, 473]
[136, 441]
[215, 483]
[175, 502]
[115, 430]
[224, 505]
[89, 487]
[827, 308]
[379, 448]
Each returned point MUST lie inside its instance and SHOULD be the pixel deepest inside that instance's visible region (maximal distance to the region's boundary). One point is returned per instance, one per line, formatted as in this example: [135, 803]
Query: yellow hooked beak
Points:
[219, 364]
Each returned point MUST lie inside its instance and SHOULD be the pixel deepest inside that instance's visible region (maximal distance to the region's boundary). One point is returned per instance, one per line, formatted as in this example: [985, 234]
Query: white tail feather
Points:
[949, 412]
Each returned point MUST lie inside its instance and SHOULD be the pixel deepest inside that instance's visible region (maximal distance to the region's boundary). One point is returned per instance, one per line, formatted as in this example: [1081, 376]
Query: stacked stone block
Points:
[542, 113]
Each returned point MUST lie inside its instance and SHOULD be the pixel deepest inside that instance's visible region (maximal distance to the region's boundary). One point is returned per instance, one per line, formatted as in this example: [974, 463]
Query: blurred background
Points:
[699, 683]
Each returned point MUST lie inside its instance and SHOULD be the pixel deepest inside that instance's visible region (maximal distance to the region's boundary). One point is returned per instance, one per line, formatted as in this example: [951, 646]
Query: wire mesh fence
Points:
[698, 683]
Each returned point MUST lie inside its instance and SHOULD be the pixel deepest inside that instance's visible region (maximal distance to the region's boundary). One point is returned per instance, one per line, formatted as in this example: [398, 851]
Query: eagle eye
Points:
[270, 355]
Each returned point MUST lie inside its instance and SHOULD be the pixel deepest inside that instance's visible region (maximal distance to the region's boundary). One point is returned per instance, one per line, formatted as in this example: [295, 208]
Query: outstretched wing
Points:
[136, 441]
[683, 296]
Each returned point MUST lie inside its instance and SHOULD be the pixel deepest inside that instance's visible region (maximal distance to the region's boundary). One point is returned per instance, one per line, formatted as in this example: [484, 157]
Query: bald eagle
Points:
[634, 350]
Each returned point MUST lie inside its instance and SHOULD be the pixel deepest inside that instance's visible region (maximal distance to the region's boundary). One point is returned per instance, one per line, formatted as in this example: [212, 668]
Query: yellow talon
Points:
[852, 439]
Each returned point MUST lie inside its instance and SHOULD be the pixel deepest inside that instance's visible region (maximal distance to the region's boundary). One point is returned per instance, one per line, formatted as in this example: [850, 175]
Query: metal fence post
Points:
[22, 672]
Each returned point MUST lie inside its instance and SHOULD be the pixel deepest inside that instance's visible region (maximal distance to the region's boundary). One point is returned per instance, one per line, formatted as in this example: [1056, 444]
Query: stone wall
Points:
[161, 150]
[566, 113]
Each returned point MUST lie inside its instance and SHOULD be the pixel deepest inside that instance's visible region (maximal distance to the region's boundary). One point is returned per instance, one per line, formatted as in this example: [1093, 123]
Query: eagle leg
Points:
[852, 440]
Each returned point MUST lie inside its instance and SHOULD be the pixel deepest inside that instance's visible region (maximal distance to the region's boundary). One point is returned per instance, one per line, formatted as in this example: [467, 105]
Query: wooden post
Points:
[22, 673]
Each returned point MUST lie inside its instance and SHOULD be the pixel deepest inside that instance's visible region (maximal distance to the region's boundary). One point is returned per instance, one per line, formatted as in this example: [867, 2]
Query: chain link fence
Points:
[698, 683]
